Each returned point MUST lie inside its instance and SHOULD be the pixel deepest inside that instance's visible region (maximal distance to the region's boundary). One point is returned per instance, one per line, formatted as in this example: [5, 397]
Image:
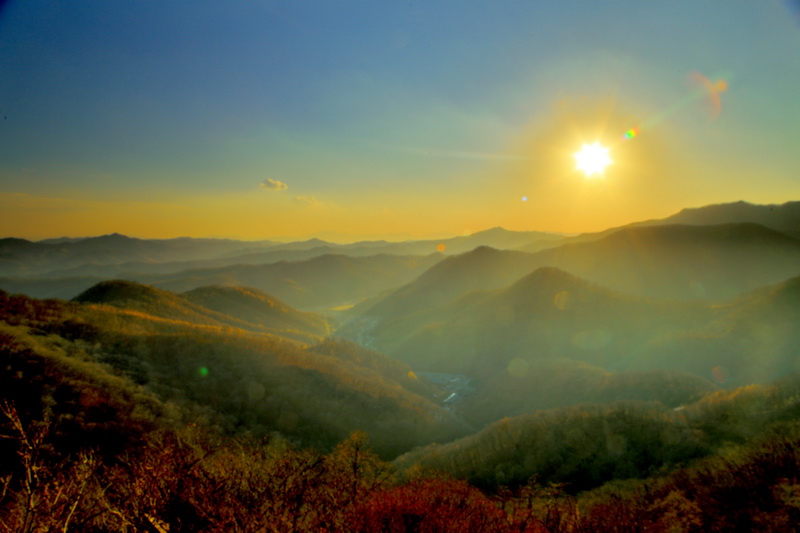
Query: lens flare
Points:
[561, 300]
[705, 89]
[719, 374]
[630, 134]
[713, 90]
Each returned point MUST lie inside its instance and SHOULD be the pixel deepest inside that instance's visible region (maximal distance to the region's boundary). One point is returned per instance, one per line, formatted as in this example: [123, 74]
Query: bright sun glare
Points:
[592, 159]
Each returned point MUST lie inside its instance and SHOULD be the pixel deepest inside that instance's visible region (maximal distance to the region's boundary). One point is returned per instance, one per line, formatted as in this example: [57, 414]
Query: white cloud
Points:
[273, 185]
[308, 200]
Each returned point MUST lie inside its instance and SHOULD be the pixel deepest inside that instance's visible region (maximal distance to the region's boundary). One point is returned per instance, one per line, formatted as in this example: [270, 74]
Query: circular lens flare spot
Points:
[592, 159]
[630, 134]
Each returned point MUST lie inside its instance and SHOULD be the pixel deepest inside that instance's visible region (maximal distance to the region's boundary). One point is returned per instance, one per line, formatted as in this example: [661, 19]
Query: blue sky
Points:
[396, 119]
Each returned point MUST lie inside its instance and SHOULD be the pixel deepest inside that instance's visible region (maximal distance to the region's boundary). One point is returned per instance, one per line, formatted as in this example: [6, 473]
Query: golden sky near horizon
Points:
[293, 120]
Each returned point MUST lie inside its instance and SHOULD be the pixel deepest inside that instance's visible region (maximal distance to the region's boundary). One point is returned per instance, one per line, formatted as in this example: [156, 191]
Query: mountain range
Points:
[714, 253]
[647, 369]
[706, 298]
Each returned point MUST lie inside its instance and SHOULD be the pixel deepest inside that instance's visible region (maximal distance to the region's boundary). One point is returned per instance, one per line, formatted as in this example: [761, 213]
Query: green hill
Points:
[256, 307]
[243, 381]
[586, 445]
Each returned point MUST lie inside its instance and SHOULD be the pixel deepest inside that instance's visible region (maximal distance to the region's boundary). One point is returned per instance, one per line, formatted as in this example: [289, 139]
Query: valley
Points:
[628, 355]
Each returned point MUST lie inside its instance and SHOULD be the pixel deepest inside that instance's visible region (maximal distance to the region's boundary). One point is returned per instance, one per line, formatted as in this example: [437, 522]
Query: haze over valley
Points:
[498, 337]
[399, 267]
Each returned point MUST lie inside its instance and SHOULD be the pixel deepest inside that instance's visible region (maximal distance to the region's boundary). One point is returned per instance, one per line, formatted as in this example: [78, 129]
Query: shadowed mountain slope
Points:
[706, 262]
[481, 269]
[784, 217]
[680, 262]
[548, 313]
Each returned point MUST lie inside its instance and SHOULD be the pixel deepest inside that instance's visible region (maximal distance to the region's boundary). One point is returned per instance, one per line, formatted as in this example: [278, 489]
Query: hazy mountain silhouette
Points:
[63, 288]
[118, 255]
[548, 313]
[677, 261]
[501, 239]
[481, 269]
[668, 261]
[783, 217]
[496, 237]
[500, 335]
[755, 340]
[317, 282]
[20, 257]
[134, 269]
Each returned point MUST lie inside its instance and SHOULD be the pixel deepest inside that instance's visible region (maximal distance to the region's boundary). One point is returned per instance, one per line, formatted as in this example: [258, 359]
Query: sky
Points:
[359, 119]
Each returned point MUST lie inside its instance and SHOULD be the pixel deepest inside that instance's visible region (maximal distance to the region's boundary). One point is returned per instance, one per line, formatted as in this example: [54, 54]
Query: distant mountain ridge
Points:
[317, 282]
[784, 218]
[552, 314]
[659, 261]
[715, 262]
[21, 257]
[755, 249]
[480, 269]
[781, 217]
[547, 313]
[120, 256]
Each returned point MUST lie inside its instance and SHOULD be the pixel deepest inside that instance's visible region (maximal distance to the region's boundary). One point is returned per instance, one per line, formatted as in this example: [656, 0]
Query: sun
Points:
[592, 159]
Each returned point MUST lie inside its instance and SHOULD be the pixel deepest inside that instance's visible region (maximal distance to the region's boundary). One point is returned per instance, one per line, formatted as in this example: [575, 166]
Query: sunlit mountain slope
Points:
[244, 381]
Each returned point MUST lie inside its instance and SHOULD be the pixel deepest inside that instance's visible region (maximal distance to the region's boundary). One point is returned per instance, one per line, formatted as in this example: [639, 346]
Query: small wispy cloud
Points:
[273, 185]
[308, 200]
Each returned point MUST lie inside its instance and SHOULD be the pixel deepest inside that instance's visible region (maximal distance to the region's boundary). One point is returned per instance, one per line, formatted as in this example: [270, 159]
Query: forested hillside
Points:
[114, 419]
[262, 383]
[645, 378]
